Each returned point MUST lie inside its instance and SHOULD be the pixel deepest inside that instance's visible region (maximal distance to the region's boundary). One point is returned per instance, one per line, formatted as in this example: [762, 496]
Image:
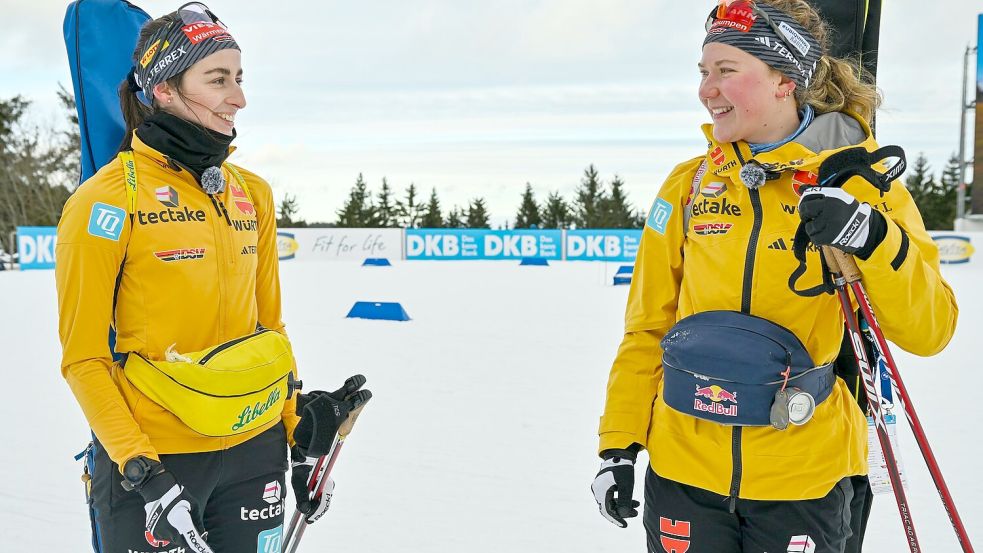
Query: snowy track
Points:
[481, 434]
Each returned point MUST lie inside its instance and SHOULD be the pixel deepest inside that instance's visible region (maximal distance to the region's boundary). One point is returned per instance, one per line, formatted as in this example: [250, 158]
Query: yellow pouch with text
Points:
[224, 390]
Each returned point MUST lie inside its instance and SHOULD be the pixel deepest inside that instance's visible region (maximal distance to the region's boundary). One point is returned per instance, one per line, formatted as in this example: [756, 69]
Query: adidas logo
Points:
[778, 245]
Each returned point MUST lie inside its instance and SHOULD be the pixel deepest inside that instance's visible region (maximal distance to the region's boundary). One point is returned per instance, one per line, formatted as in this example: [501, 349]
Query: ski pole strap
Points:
[835, 171]
[799, 246]
[841, 166]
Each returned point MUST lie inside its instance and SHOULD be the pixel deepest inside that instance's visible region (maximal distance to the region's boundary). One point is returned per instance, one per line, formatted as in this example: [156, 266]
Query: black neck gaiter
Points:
[192, 146]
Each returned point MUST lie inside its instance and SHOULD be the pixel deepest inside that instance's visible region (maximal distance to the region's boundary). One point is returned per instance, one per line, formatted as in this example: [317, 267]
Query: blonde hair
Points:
[838, 84]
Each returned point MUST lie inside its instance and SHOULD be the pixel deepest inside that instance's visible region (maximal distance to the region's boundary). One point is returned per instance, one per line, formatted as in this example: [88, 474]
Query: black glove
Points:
[169, 508]
[617, 475]
[301, 467]
[833, 217]
[321, 413]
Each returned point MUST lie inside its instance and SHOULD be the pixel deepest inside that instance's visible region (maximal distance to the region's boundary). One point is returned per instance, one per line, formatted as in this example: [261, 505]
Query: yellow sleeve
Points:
[651, 311]
[92, 236]
[268, 279]
[914, 305]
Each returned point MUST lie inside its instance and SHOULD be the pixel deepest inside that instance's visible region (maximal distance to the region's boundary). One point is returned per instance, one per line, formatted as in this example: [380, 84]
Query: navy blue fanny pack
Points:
[729, 367]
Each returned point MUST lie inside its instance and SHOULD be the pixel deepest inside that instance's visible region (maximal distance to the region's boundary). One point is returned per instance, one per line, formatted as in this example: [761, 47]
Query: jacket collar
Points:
[829, 133]
[141, 148]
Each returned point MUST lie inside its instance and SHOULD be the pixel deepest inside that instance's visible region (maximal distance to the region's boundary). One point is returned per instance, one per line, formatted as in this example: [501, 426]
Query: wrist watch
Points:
[136, 472]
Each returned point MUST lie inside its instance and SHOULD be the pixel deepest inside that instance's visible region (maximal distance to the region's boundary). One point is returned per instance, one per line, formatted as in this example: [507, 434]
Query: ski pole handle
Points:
[841, 262]
[362, 397]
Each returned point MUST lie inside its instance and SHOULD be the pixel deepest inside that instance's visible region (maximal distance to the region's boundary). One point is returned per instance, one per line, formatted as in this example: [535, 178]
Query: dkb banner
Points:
[457, 244]
[602, 245]
[36, 247]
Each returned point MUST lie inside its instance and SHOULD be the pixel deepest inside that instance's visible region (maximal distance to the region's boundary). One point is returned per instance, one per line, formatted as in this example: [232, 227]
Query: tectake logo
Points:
[273, 495]
[272, 492]
[714, 189]
[801, 544]
[167, 196]
[106, 221]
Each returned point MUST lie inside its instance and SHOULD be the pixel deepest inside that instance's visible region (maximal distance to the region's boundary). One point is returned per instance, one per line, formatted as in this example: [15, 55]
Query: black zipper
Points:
[752, 244]
[736, 433]
[222, 347]
[735, 481]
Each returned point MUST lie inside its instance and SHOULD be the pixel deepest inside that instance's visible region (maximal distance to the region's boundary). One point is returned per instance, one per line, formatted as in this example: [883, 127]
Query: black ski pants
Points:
[240, 492]
[684, 519]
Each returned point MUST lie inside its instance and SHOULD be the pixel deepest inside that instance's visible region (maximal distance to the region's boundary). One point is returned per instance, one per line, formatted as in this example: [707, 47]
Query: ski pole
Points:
[850, 275]
[322, 470]
[856, 340]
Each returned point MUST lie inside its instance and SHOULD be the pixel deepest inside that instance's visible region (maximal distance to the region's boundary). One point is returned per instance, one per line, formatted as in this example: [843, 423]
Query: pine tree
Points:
[946, 209]
[286, 211]
[357, 211]
[923, 189]
[528, 215]
[556, 212]
[432, 218]
[409, 210]
[589, 198]
[385, 208]
[477, 214]
[454, 218]
[615, 211]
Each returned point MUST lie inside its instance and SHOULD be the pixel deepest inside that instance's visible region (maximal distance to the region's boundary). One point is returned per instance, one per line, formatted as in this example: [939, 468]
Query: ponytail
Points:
[838, 84]
[134, 110]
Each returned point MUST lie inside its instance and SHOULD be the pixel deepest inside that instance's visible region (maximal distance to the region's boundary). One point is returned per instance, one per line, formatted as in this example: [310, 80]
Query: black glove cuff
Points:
[877, 231]
[630, 453]
[298, 454]
[157, 485]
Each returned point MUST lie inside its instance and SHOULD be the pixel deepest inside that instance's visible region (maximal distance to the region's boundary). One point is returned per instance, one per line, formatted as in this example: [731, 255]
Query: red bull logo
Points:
[717, 397]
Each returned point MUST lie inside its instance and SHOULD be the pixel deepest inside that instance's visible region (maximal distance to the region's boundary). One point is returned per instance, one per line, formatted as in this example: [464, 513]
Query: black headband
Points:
[768, 34]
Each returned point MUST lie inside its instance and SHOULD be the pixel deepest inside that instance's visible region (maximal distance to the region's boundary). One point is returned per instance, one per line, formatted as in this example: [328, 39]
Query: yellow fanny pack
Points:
[225, 390]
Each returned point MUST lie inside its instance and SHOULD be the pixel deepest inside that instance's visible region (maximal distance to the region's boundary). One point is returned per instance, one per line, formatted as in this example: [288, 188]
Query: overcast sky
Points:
[477, 98]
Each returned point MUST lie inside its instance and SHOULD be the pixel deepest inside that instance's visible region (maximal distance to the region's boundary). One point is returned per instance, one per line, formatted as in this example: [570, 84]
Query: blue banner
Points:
[602, 245]
[457, 244]
[36, 247]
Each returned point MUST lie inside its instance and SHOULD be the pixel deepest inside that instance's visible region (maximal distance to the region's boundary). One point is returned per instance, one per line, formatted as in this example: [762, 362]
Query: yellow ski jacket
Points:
[182, 270]
[736, 254]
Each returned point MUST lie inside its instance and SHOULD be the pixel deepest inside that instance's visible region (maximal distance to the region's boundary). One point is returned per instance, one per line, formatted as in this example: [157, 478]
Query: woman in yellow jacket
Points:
[711, 301]
[176, 250]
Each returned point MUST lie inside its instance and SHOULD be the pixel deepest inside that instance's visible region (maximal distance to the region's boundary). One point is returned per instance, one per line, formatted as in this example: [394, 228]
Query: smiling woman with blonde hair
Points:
[725, 372]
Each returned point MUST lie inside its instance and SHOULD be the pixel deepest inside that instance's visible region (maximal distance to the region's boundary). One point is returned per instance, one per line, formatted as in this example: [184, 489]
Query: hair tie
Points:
[132, 82]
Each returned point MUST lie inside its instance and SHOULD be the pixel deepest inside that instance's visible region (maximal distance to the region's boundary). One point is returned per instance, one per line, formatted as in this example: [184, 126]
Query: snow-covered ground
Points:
[482, 432]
